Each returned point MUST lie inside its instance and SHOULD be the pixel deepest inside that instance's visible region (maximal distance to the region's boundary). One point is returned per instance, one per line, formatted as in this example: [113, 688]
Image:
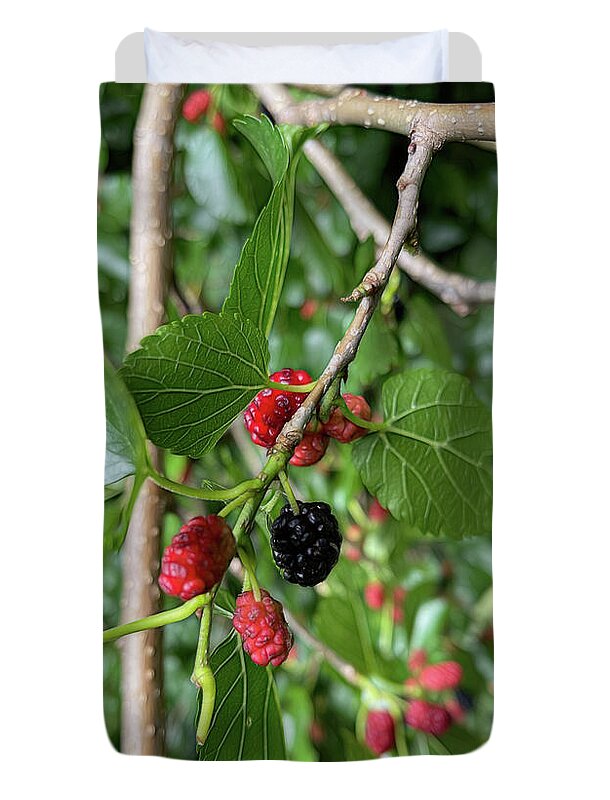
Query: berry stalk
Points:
[202, 676]
[287, 387]
[289, 493]
[157, 620]
[235, 492]
[361, 423]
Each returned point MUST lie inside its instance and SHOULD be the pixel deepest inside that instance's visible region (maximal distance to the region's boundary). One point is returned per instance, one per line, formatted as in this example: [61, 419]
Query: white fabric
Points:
[418, 58]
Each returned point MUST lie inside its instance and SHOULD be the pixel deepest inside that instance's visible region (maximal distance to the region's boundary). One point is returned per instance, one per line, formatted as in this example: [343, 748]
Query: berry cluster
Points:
[197, 105]
[342, 429]
[271, 409]
[197, 557]
[265, 634]
[306, 545]
[430, 707]
[435, 699]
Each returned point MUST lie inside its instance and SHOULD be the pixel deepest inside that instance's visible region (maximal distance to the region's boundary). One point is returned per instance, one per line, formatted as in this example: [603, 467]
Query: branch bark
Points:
[463, 294]
[150, 248]
[452, 122]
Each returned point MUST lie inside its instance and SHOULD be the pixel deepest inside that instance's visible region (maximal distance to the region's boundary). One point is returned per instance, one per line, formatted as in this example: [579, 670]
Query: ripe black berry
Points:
[306, 545]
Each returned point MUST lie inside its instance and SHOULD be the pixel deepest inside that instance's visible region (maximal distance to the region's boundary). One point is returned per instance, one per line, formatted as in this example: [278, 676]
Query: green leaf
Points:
[117, 514]
[210, 175]
[247, 723]
[259, 275]
[364, 256]
[125, 437]
[298, 709]
[125, 455]
[428, 624]
[268, 142]
[376, 356]
[456, 741]
[343, 625]
[191, 378]
[422, 333]
[431, 464]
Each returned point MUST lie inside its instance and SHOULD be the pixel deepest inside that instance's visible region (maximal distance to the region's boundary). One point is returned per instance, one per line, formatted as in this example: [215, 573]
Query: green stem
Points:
[201, 656]
[245, 551]
[208, 698]
[399, 736]
[390, 686]
[250, 581]
[305, 388]
[358, 514]
[270, 504]
[361, 423]
[386, 627]
[328, 401]
[202, 676]
[204, 494]
[239, 501]
[289, 493]
[157, 620]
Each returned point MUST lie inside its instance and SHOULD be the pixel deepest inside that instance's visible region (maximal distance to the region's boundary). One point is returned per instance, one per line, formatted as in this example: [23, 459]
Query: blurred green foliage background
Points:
[220, 186]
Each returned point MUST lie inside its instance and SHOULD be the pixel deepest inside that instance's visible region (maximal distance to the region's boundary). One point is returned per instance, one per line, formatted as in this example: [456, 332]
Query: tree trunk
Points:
[150, 256]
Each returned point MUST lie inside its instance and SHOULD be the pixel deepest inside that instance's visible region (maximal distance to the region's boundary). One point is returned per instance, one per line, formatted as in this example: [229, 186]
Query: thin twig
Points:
[421, 150]
[463, 294]
[349, 673]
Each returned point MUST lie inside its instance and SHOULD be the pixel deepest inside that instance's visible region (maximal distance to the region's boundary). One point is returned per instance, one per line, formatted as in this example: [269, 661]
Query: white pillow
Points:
[418, 58]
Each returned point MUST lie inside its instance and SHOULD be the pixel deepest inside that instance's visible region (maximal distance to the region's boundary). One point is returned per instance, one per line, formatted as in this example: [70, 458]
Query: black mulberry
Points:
[306, 546]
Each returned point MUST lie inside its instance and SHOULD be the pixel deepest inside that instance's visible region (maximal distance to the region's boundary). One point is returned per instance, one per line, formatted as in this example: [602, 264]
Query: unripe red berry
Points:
[340, 428]
[456, 712]
[352, 553]
[400, 594]
[265, 634]
[196, 105]
[308, 309]
[271, 408]
[353, 533]
[428, 717]
[316, 732]
[417, 660]
[438, 677]
[379, 734]
[219, 124]
[310, 450]
[374, 595]
[197, 557]
[377, 512]
[398, 597]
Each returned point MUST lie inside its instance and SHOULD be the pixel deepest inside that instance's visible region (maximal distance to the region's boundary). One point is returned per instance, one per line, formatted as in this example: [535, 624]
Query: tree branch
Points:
[421, 149]
[423, 144]
[463, 294]
[451, 122]
[141, 675]
[326, 89]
